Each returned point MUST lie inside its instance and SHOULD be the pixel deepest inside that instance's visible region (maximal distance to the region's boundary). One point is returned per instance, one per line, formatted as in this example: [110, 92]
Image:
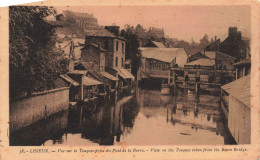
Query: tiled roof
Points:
[202, 62]
[240, 89]
[161, 54]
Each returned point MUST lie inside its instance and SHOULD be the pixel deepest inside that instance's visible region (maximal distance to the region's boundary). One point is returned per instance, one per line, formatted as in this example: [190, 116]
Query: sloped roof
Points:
[87, 81]
[94, 73]
[161, 54]
[125, 73]
[210, 54]
[223, 54]
[243, 62]
[202, 62]
[96, 46]
[98, 32]
[70, 80]
[158, 44]
[109, 76]
[240, 89]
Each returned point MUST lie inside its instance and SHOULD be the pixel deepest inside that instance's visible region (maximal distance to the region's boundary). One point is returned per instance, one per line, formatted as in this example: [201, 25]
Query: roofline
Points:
[160, 60]
[92, 44]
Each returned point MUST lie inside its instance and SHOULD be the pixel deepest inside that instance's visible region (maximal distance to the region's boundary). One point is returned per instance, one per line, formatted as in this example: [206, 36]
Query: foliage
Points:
[35, 61]
[191, 47]
[132, 45]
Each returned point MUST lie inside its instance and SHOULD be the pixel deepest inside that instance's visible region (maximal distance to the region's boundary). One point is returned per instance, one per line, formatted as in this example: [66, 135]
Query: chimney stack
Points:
[113, 29]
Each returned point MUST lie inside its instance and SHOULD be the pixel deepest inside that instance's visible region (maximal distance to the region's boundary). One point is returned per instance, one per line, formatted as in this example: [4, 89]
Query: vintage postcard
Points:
[130, 80]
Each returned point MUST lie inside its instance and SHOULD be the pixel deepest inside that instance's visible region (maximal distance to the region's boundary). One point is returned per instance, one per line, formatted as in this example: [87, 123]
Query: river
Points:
[143, 118]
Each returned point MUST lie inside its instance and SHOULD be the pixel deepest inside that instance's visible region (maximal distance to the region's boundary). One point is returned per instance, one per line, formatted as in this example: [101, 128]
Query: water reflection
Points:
[144, 118]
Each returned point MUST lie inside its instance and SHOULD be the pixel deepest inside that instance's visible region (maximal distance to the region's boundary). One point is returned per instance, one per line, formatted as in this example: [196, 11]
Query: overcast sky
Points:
[182, 22]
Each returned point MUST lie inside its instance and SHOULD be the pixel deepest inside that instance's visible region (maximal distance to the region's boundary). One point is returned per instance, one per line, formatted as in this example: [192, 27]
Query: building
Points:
[213, 46]
[156, 61]
[222, 61]
[114, 47]
[199, 70]
[89, 86]
[83, 20]
[110, 81]
[74, 91]
[243, 68]
[94, 55]
[234, 45]
[70, 45]
[196, 56]
[235, 102]
[156, 33]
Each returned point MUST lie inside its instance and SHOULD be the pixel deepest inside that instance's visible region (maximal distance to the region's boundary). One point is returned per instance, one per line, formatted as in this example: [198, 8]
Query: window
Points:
[122, 62]
[123, 47]
[117, 45]
[116, 61]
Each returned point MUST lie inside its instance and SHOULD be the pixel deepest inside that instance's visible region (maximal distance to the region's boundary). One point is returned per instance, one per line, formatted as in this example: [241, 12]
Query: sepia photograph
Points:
[129, 75]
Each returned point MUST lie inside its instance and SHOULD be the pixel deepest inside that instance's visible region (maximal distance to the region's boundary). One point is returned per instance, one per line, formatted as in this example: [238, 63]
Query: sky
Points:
[181, 22]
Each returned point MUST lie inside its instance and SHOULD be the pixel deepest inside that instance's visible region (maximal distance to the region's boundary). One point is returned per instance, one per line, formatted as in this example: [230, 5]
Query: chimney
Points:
[113, 29]
[215, 38]
[232, 31]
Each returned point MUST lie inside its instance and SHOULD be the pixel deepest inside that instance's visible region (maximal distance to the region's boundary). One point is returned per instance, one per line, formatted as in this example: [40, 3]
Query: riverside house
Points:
[111, 48]
[235, 103]
[156, 61]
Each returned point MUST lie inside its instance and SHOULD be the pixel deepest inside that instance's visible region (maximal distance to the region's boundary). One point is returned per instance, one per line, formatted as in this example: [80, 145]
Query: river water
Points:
[143, 118]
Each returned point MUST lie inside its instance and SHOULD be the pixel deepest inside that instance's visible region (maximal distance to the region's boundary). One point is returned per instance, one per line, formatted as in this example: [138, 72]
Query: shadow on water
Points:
[143, 118]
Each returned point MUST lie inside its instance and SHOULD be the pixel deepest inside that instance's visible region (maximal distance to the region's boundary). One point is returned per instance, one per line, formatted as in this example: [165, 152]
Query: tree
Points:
[140, 31]
[132, 48]
[204, 41]
[35, 61]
